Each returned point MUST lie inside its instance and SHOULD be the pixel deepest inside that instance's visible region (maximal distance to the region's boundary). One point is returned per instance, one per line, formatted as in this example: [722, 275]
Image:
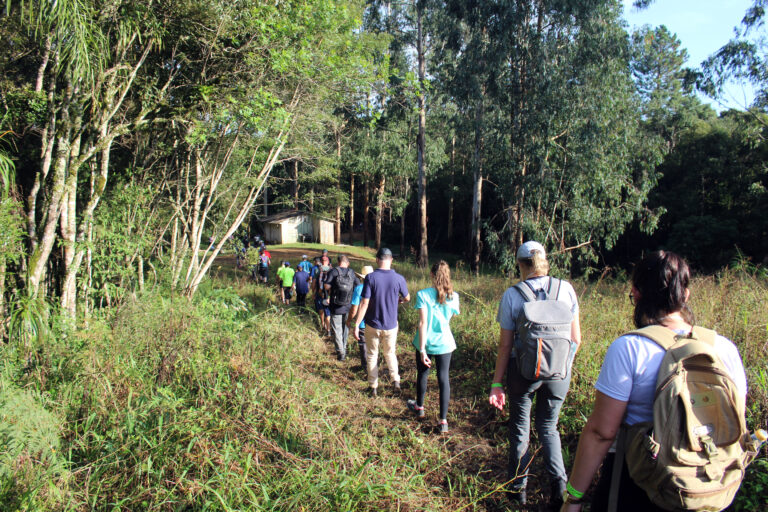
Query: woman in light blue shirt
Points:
[434, 339]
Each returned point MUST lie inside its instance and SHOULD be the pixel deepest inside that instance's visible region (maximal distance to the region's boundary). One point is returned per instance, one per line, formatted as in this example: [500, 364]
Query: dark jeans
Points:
[443, 364]
[631, 497]
[361, 346]
[340, 332]
[301, 299]
[550, 395]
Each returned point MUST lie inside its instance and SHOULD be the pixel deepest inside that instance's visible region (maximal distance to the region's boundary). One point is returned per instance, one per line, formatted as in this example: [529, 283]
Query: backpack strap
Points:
[665, 338]
[554, 283]
[526, 290]
[618, 465]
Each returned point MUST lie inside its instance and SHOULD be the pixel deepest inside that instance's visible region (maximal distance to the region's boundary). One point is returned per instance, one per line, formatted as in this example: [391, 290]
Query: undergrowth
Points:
[231, 402]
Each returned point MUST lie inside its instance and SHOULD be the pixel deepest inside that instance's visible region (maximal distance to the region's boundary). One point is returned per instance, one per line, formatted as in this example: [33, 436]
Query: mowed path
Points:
[476, 447]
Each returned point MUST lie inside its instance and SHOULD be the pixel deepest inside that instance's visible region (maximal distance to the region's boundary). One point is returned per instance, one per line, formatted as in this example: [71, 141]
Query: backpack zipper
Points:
[694, 367]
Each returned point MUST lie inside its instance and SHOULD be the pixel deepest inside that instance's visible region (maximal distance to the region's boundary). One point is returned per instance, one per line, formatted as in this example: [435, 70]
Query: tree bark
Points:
[379, 209]
[402, 224]
[423, 259]
[296, 184]
[351, 207]
[452, 192]
[366, 210]
[477, 189]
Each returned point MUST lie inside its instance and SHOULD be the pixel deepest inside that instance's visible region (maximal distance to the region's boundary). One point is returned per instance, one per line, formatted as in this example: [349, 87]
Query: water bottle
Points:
[759, 436]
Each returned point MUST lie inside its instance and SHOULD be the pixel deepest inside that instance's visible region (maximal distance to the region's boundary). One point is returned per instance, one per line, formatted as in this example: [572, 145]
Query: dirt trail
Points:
[476, 441]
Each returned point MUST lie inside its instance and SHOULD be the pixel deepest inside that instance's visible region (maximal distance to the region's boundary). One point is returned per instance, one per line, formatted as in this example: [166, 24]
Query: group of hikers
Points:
[667, 429]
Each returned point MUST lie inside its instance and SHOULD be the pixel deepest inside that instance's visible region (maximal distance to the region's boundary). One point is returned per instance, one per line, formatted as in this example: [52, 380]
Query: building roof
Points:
[279, 217]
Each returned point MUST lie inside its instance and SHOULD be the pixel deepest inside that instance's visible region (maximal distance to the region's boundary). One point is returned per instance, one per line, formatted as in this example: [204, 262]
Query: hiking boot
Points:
[418, 411]
[442, 427]
[372, 392]
[396, 388]
[519, 497]
[556, 495]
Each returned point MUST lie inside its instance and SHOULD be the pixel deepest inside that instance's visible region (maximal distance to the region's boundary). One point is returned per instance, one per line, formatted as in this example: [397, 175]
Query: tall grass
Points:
[231, 402]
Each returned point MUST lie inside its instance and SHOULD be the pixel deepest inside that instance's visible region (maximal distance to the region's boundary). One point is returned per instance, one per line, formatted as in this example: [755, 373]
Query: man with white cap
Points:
[550, 394]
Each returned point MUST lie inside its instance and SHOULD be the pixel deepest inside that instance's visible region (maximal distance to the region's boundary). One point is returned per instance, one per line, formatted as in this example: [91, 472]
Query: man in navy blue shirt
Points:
[301, 285]
[383, 291]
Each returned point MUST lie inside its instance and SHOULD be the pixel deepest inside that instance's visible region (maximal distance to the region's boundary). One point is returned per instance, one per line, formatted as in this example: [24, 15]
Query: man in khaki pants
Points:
[383, 290]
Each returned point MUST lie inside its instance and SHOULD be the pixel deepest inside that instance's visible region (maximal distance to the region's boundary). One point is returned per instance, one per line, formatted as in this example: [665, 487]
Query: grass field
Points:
[232, 402]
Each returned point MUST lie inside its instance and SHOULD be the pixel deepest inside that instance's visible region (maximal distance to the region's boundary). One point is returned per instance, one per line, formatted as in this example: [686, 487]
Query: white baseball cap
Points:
[525, 251]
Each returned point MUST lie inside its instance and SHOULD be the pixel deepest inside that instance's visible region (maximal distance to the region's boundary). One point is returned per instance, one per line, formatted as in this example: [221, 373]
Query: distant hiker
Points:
[265, 260]
[434, 339]
[301, 281]
[553, 354]
[285, 275]
[305, 265]
[322, 303]
[383, 290]
[627, 394]
[356, 296]
[340, 283]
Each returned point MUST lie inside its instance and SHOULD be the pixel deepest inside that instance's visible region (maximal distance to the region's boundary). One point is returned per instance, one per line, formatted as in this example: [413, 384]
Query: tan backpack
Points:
[693, 455]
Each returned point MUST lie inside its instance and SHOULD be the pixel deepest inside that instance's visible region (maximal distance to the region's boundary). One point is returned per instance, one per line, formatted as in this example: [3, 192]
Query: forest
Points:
[140, 138]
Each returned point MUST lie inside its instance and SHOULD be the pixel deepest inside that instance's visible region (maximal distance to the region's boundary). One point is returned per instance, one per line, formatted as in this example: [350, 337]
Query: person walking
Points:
[305, 265]
[434, 339]
[355, 304]
[340, 285]
[285, 276]
[265, 260]
[626, 385]
[301, 282]
[383, 290]
[322, 303]
[550, 394]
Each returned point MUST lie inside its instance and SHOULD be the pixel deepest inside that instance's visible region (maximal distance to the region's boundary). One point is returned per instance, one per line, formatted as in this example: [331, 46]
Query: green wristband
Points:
[497, 385]
[573, 492]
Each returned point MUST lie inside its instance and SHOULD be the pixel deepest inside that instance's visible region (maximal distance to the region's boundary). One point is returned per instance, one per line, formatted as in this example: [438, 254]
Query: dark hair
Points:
[662, 279]
[342, 258]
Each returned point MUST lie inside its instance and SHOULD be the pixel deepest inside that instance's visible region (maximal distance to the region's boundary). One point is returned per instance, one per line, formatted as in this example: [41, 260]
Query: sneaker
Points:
[519, 497]
[396, 388]
[372, 392]
[418, 411]
[442, 427]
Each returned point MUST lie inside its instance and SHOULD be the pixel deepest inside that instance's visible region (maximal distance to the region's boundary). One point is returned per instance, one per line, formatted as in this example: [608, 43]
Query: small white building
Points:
[291, 227]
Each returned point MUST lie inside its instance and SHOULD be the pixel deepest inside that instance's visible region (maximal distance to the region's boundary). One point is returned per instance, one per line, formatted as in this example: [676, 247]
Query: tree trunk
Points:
[477, 189]
[452, 193]
[366, 209]
[423, 259]
[351, 207]
[379, 209]
[337, 225]
[402, 224]
[296, 184]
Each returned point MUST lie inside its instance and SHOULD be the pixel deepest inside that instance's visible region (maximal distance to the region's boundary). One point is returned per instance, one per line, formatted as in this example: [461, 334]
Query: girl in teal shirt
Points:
[434, 339]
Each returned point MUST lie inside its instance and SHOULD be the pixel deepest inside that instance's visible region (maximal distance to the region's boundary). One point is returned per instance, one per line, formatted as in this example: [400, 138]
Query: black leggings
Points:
[443, 363]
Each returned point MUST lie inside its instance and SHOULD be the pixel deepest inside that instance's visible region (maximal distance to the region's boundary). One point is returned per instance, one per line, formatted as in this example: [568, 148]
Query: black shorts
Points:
[264, 272]
[287, 292]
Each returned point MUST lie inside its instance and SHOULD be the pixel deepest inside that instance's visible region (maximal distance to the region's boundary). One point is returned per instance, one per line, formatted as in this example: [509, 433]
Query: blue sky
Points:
[702, 26]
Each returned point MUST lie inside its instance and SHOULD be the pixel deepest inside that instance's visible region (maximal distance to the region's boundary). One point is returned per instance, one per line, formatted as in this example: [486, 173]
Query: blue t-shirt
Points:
[306, 266]
[384, 289]
[301, 280]
[356, 294]
[439, 336]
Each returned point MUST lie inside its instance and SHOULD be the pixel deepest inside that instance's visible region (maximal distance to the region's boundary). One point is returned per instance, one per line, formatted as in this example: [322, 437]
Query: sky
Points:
[702, 26]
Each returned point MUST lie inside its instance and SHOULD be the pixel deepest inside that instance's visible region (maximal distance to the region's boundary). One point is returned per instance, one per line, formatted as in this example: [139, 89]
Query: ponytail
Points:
[441, 277]
[537, 263]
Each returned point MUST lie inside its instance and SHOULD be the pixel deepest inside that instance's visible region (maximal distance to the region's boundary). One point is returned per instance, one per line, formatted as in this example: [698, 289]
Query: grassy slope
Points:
[233, 403]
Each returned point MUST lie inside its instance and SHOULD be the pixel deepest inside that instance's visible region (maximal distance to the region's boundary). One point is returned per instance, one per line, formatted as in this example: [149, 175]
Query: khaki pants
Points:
[388, 340]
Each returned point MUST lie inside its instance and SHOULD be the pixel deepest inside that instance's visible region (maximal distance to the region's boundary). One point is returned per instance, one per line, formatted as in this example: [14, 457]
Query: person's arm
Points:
[423, 337]
[404, 295]
[360, 316]
[497, 397]
[351, 315]
[594, 443]
[576, 331]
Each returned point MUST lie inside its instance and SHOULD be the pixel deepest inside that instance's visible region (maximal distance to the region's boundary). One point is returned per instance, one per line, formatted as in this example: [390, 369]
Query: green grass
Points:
[230, 402]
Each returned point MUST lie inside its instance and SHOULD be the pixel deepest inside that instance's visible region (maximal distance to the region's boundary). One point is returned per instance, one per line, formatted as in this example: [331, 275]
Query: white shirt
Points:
[632, 364]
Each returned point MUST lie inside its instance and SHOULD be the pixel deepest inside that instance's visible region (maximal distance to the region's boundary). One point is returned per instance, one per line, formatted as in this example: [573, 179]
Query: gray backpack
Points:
[543, 341]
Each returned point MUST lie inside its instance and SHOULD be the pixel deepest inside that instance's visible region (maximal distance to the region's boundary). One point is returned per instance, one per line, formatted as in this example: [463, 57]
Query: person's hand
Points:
[497, 398]
[570, 507]
[425, 359]
[356, 332]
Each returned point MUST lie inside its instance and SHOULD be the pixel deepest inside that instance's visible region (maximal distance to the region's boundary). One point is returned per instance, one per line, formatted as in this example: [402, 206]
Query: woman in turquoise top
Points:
[434, 339]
